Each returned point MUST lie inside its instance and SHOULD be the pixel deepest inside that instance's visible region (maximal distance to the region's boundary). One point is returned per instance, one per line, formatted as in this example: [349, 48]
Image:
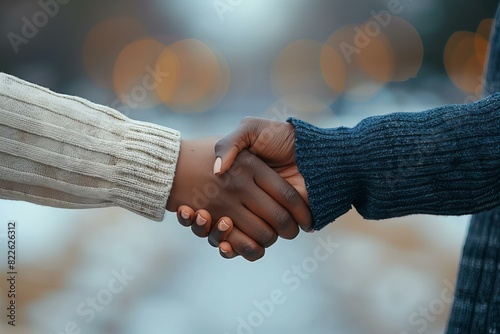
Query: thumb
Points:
[226, 151]
[228, 147]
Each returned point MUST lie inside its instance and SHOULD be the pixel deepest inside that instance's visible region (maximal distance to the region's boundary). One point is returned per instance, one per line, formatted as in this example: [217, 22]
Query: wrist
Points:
[194, 169]
[173, 198]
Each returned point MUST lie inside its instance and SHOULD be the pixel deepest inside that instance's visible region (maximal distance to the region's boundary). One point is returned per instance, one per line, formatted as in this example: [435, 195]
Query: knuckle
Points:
[283, 219]
[245, 157]
[291, 196]
[250, 125]
[235, 184]
[267, 238]
[245, 161]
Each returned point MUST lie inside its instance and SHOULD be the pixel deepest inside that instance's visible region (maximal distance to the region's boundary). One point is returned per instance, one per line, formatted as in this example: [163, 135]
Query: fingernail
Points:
[217, 165]
[223, 251]
[200, 220]
[223, 226]
[184, 214]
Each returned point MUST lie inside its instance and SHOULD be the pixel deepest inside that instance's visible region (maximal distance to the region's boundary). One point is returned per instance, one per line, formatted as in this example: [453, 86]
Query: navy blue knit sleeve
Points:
[444, 161]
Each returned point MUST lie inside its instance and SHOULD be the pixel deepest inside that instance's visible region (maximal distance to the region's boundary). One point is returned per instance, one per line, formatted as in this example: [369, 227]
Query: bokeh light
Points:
[461, 63]
[136, 75]
[482, 39]
[333, 69]
[220, 86]
[104, 43]
[367, 59]
[168, 62]
[481, 48]
[297, 76]
[465, 57]
[484, 28]
[407, 48]
[202, 76]
[377, 59]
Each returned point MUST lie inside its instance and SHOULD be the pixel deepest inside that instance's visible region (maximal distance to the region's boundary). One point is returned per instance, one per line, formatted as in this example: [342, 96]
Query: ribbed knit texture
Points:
[476, 308]
[444, 161]
[67, 152]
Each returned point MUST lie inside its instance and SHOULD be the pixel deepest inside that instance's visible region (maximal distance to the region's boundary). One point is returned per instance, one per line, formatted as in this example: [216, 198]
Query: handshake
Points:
[249, 186]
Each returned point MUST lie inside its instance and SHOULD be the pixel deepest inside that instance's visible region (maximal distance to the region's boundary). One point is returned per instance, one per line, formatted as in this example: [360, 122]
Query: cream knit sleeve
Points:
[67, 152]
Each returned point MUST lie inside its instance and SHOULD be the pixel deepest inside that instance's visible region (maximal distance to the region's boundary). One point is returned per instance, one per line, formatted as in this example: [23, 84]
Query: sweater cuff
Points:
[319, 173]
[145, 168]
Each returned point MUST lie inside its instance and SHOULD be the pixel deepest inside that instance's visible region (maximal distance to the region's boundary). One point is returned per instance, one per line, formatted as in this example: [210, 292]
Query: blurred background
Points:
[199, 67]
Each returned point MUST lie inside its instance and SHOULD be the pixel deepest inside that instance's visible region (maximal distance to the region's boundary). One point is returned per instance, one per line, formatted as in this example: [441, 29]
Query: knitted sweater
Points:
[67, 152]
[444, 161]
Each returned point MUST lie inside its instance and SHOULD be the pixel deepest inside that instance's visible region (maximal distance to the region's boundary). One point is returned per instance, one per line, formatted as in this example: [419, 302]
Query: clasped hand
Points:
[248, 183]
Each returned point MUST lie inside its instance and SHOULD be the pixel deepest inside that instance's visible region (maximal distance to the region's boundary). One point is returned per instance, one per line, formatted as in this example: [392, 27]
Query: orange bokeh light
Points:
[367, 59]
[377, 58]
[333, 69]
[482, 40]
[481, 47]
[407, 48]
[202, 76]
[136, 76]
[298, 76]
[484, 28]
[461, 62]
[168, 62]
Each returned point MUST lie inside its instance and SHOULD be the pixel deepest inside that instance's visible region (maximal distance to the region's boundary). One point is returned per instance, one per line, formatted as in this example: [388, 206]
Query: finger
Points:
[202, 223]
[244, 245]
[185, 215]
[288, 197]
[253, 226]
[226, 250]
[220, 231]
[279, 204]
[273, 213]
[228, 147]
